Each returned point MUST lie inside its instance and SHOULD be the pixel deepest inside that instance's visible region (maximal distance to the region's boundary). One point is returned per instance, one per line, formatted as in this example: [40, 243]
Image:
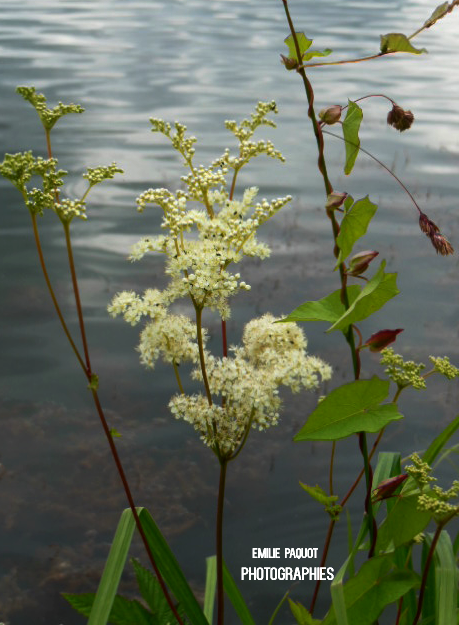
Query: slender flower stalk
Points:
[342, 269]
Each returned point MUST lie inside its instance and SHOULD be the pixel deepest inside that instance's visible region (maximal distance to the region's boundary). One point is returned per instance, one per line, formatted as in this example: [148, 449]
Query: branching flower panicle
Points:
[48, 116]
[200, 243]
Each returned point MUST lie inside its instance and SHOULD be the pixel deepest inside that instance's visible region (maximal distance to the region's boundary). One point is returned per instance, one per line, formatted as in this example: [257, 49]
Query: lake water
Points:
[201, 63]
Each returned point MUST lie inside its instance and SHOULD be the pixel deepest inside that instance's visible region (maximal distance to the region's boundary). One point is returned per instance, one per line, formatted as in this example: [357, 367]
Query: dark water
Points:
[201, 63]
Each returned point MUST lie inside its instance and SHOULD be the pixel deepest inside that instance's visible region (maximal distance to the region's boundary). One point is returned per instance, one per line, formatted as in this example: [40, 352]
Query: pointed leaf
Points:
[236, 598]
[211, 585]
[379, 290]
[440, 441]
[301, 614]
[398, 42]
[151, 591]
[348, 409]
[123, 611]
[353, 226]
[319, 494]
[304, 44]
[446, 579]
[329, 308]
[439, 12]
[377, 584]
[402, 524]
[351, 125]
[306, 57]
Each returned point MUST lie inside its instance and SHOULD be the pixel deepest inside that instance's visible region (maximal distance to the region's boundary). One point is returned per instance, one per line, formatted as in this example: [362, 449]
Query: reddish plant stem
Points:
[349, 335]
[88, 373]
[426, 572]
[114, 452]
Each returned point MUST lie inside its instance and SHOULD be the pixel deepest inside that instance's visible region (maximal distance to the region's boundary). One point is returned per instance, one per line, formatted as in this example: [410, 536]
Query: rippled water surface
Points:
[201, 63]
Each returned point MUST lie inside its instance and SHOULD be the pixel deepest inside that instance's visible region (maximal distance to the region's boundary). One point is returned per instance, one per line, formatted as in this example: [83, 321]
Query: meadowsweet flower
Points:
[173, 338]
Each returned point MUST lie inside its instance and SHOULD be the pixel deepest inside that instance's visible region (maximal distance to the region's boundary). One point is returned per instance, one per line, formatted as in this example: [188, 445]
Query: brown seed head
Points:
[400, 119]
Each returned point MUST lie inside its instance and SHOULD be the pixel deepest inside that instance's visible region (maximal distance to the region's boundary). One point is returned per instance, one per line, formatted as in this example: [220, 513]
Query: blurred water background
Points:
[201, 63]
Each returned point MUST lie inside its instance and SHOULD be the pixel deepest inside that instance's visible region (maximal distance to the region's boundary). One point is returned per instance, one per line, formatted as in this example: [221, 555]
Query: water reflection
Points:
[199, 62]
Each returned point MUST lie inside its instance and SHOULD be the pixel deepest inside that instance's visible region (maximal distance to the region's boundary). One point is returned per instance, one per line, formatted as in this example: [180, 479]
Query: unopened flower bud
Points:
[380, 340]
[289, 62]
[331, 114]
[335, 200]
[400, 119]
[387, 488]
[359, 262]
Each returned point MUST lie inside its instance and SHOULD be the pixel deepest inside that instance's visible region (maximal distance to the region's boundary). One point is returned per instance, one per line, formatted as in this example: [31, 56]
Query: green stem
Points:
[177, 377]
[219, 542]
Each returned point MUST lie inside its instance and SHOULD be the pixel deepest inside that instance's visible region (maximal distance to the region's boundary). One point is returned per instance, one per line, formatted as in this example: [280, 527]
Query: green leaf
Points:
[440, 441]
[377, 584]
[319, 494]
[329, 308]
[211, 584]
[115, 434]
[379, 290]
[123, 611]
[151, 591]
[397, 42]
[351, 126]
[304, 44]
[170, 569]
[236, 598]
[441, 591]
[439, 12]
[348, 409]
[113, 569]
[353, 226]
[301, 614]
[402, 524]
[126, 612]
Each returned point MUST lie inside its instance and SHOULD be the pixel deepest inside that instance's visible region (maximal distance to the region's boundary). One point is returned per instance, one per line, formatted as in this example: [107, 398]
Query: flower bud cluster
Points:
[443, 366]
[47, 115]
[403, 373]
[68, 209]
[99, 174]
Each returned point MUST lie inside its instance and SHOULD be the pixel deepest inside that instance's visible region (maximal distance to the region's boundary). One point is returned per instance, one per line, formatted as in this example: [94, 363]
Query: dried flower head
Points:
[400, 119]
[439, 241]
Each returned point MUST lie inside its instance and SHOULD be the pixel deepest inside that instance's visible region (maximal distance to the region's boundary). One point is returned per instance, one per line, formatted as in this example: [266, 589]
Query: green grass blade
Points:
[113, 569]
[438, 443]
[446, 580]
[211, 585]
[236, 598]
[170, 569]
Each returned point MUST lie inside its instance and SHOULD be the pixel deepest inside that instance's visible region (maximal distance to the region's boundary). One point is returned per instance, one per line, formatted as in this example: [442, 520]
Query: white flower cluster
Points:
[172, 337]
[205, 230]
[272, 355]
